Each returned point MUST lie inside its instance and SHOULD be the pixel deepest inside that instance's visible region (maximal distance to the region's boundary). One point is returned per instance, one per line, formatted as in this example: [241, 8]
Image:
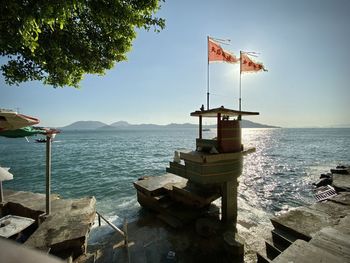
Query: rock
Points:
[328, 175]
[340, 171]
[323, 182]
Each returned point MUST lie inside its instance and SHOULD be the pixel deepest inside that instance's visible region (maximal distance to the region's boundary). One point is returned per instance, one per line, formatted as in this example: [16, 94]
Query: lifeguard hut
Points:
[216, 163]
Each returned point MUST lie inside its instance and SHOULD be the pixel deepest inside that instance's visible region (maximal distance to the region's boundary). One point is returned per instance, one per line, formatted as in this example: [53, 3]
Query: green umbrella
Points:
[23, 132]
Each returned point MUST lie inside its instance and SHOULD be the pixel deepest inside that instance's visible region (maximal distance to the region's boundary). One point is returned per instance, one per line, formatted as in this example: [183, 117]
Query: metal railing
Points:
[123, 232]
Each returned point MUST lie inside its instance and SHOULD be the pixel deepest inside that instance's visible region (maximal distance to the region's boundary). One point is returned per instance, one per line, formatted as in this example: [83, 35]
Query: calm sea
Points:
[106, 163]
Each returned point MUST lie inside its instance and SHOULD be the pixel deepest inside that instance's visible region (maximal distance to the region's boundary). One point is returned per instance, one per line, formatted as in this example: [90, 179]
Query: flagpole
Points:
[240, 83]
[208, 74]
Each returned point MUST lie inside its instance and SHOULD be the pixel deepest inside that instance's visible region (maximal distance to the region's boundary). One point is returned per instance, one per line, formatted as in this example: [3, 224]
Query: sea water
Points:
[105, 164]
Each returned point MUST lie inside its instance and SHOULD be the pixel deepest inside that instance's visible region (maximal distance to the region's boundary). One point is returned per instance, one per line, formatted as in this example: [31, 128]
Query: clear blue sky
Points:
[305, 45]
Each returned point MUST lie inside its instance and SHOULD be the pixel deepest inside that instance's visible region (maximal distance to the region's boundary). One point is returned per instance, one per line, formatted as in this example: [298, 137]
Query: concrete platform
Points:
[65, 231]
[150, 240]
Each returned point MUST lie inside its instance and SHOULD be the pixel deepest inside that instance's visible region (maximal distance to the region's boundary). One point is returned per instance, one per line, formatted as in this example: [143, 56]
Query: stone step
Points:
[291, 223]
[177, 168]
[302, 251]
[262, 258]
[194, 196]
[282, 239]
[158, 185]
[164, 201]
[271, 251]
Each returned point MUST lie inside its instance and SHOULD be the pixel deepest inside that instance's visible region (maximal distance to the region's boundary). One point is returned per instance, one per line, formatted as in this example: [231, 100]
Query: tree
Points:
[58, 41]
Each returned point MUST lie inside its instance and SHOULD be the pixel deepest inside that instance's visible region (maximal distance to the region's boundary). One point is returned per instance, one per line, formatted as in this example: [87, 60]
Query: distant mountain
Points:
[84, 125]
[120, 124]
[91, 125]
[250, 124]
[184, 125]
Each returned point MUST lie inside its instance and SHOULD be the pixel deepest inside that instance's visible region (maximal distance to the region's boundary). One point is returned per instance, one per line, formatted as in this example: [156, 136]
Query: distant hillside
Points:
[91, 125]
[120, 124]
[84, 125]
[250, 124]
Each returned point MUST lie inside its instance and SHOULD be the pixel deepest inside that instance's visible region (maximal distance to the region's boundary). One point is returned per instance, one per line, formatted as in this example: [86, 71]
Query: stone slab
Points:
[342, 198]
[344, 225]
[334, 241]
[331, 208]
[34, 201]
[67, 227]
[301, 251]
[341, 182]
[155, 185]
[303, 222]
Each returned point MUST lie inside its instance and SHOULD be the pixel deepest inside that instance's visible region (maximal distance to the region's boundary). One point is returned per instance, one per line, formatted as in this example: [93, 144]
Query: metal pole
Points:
[48, 175]
[208, 75]
[240, 84]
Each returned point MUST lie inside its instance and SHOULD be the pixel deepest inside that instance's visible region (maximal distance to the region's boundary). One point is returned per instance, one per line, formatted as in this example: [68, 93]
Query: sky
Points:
[305, 45]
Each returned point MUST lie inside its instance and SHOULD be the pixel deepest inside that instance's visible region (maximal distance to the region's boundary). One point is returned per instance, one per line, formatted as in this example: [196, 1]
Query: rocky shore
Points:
[316, 233]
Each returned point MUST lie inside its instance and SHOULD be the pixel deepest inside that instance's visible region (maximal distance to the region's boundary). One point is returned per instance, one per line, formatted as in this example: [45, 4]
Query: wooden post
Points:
[126, 239]
[48, 175]
[1, 193]
[218, 135]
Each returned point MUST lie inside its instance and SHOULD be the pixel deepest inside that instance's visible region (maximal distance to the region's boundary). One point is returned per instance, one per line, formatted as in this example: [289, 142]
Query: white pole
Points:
[240, 83]
[208, 74]
[48, 175]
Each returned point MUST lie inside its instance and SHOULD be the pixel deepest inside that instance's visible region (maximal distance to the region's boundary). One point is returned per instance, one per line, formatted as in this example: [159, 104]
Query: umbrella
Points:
[11, 120]
[4, 176]
[23, 132]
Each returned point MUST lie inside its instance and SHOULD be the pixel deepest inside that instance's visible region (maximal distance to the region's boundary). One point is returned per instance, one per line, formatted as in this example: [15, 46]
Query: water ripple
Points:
[106, 163]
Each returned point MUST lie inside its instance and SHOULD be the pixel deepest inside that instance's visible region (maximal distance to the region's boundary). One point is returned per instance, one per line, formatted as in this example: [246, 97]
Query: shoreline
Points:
[151, 238]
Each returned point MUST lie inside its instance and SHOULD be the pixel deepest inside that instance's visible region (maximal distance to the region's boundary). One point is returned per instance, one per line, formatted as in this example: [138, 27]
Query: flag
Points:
[248, 65]
[217, 53]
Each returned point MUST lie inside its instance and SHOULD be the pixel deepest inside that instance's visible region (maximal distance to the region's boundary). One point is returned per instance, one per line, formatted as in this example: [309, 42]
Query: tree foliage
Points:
[58, 41]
